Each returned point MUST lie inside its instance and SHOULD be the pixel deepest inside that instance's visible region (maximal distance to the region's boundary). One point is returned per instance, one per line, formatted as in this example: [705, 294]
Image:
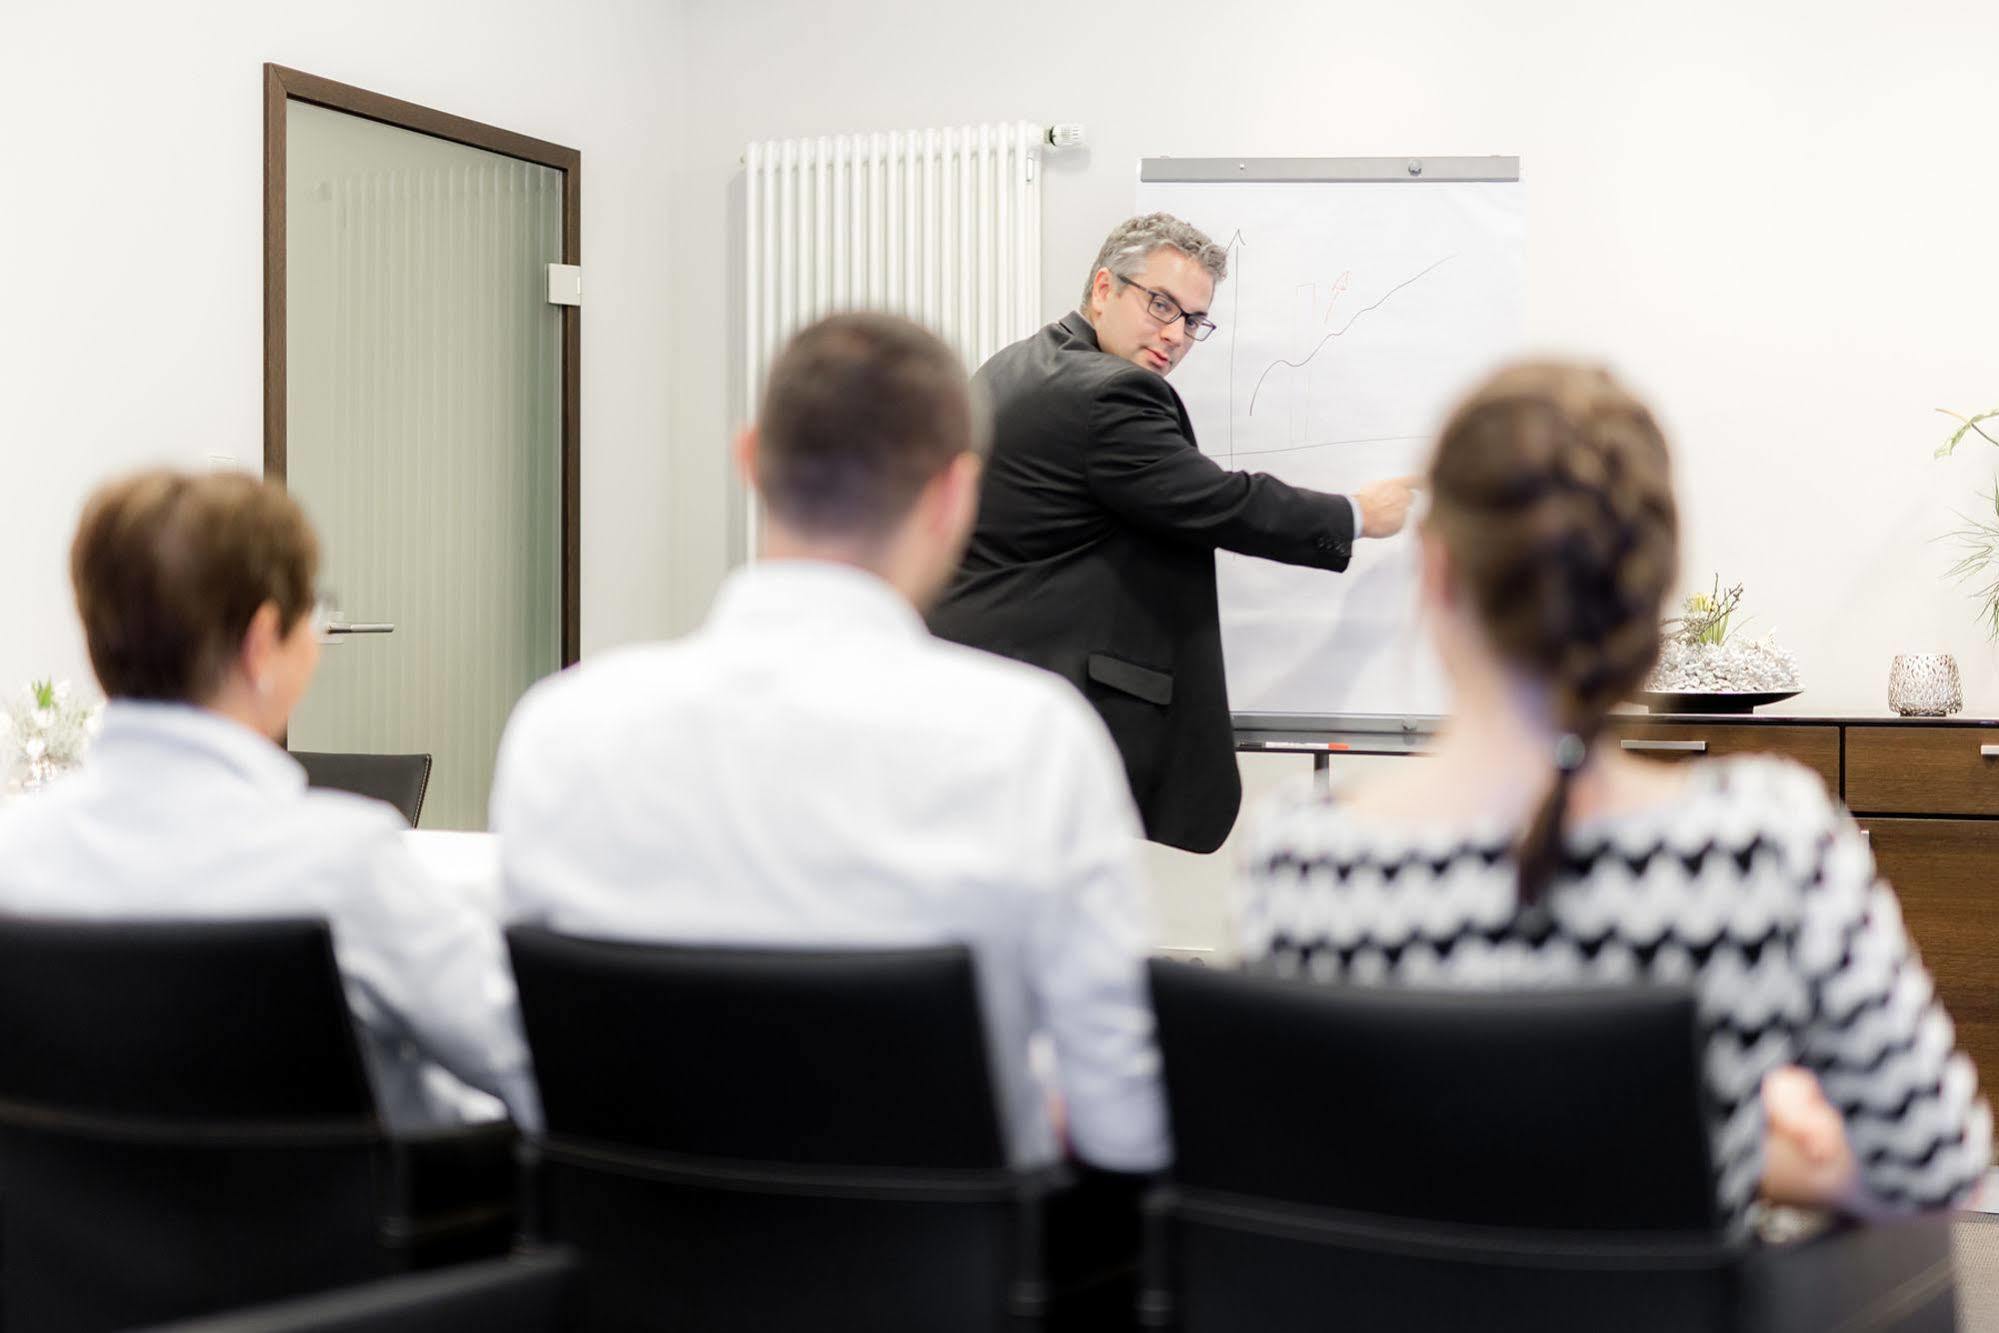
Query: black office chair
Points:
[527, 1293]
[1400, 1159]
[748, 1140]
[399, 779]
[186, 1126]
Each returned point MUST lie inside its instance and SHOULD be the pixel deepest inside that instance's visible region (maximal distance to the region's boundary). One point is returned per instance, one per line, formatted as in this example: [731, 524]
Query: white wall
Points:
[1777, 219]
[131, 221]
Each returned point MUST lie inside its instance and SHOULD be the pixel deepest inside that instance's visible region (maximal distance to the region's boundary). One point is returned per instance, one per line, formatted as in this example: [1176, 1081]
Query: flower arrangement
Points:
[44, 731]
[1702, 654]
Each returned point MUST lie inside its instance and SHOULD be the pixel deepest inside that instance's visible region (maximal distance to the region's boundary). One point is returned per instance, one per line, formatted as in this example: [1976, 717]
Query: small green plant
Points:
[1977, 541]
[1705, 616]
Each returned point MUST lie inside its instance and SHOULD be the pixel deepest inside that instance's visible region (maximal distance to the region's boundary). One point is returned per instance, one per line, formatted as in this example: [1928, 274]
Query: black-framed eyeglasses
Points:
[1165, 309]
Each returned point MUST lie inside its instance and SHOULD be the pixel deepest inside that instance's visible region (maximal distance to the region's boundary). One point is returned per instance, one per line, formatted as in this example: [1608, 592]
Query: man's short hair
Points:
[861, 411]
[1132, 242]
[169, 567]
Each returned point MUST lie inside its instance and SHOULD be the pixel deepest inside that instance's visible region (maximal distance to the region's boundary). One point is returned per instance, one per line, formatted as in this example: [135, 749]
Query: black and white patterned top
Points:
[1752, 887]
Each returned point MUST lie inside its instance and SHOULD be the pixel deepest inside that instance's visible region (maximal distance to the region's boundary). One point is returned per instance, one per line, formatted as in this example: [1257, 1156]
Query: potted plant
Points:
[1706, 666]
[1977, 541]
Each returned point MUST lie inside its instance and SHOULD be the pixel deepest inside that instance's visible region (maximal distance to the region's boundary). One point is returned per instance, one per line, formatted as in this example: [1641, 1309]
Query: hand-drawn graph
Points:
[1353, 317]
[1342, 330]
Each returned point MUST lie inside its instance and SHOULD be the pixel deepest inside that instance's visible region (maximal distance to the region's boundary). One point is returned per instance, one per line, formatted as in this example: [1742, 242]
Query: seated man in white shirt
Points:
[811, 768]
[196, 593]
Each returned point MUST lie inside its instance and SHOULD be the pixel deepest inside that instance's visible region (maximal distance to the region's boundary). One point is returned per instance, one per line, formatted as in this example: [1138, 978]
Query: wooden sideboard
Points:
[1925, 790]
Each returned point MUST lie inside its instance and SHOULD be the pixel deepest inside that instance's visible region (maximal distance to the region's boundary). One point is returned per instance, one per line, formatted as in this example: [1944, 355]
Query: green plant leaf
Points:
[1969, 425]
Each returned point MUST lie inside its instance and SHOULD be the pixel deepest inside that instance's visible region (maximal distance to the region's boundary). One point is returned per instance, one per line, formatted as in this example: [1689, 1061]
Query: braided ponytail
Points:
[1552, 493]
[1539, 853]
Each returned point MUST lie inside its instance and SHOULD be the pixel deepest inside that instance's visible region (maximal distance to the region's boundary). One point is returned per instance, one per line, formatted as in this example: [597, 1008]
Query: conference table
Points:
[466, 863]
[469, 865]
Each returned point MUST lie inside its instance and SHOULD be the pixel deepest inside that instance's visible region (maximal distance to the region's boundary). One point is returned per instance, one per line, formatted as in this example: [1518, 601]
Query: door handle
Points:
[1989, 751]
[1666, 747]
[362, 627]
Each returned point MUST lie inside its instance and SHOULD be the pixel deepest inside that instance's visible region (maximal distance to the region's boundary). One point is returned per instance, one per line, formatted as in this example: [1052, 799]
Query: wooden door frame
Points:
[282, 85]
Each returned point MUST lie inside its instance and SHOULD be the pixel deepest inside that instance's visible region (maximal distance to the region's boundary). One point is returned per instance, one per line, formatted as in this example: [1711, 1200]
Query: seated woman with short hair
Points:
[1528, 850]
[196, 595]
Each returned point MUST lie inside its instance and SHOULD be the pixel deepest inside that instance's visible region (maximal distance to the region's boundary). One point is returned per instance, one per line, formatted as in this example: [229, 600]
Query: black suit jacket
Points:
[1094, 557]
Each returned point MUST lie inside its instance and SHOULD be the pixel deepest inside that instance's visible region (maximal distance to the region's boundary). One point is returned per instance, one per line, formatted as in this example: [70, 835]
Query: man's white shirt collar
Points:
[786, 594]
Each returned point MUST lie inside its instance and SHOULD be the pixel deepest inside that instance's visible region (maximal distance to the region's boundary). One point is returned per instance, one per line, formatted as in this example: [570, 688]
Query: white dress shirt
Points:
[182, 814]
[813, 769]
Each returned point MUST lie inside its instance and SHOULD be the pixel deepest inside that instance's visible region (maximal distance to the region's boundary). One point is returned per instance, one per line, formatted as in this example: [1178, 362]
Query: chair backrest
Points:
[746, 1139]
[210, 1021]
[1564, 1110]
[399, 779]
[522, 1294]
[185, 1122]
[853, 1058]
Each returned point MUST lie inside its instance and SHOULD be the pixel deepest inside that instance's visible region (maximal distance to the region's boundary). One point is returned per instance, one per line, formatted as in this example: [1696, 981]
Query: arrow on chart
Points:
[1300, 365]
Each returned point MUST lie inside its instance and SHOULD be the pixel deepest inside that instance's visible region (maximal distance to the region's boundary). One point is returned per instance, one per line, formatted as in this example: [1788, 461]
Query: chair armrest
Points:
[450, 1181]
[1876, 1276]
[527, 1293]
[1028, 1290]
[1092, 1228]
[1157, 1307]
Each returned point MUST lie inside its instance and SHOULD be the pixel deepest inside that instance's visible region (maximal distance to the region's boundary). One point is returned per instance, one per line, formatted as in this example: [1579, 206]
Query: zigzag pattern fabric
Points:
[1754, 889]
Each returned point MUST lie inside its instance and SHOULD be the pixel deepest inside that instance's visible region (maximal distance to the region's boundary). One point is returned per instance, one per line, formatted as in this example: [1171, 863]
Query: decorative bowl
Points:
[1714, 701]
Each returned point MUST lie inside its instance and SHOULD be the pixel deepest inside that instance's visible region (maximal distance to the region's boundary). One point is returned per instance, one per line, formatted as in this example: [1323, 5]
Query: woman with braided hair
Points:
[1529, 851]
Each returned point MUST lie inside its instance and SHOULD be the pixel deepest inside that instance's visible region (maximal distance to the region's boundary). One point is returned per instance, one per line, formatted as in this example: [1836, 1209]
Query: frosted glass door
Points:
[423, 402]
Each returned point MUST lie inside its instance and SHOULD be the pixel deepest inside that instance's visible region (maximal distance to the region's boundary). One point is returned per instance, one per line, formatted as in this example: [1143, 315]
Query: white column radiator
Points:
[941, 225]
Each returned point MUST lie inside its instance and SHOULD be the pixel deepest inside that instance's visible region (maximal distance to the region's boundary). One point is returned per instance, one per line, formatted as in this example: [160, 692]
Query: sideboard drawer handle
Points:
[1989, 751]
[1691, 747]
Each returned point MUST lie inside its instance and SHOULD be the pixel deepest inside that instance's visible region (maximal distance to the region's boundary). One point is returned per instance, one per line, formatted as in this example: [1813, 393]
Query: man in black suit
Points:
[1099, 519]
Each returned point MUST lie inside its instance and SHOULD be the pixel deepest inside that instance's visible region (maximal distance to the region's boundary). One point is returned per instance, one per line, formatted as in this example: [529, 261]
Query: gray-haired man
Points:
[1099, 519]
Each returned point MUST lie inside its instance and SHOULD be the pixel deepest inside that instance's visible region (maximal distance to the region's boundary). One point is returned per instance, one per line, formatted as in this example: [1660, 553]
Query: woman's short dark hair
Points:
[861, 411]
[169, 567]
